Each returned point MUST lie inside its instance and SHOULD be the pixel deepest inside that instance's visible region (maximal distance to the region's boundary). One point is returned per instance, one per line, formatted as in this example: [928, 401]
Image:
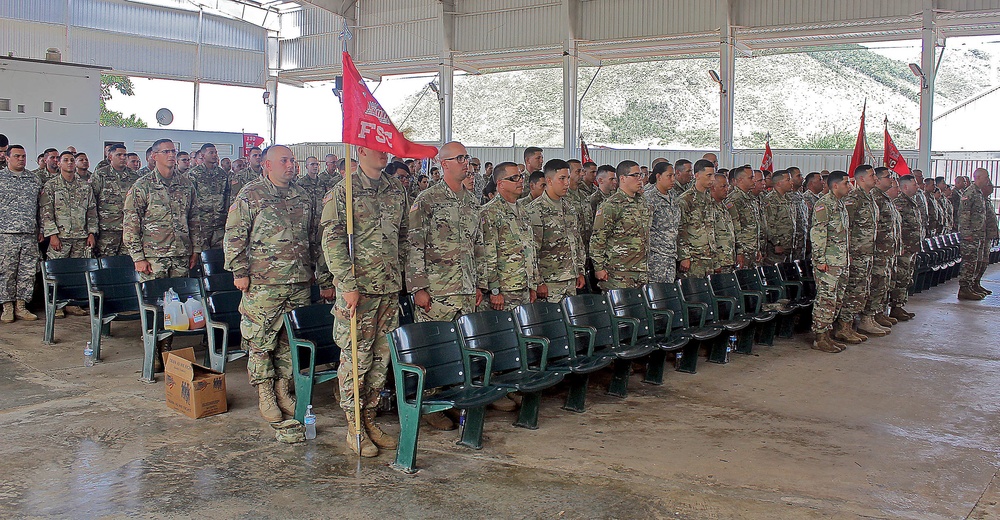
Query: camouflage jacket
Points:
[237, 180]
[972, 214]
[992, 229]
[44, 176]
[862, 214]
[665, 218]
[746, 220]
[160, 217]
[921, 202]
[68, 208]
[800, 212]
[947, 215]
[380, 234]
[584, 218]
[780, 218]
[315, 187]
[441, 233]
[19, 193]
[725, 236]
[595, 200]
[911, 229]
[695, 237]
[587, 189]
[509, 261]
[829, 233]
[213, 198]
[110, 188]
[271, 235]
[620, 241]
[886, 235]
[561, 255]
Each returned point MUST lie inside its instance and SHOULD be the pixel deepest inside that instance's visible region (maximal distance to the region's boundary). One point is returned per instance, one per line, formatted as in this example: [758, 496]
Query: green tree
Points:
[112, 117]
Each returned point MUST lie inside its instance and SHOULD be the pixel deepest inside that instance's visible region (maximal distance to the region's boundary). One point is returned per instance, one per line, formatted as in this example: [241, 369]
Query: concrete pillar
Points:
[927, 63]
[447, 96]
[571, 116]
[727, 72]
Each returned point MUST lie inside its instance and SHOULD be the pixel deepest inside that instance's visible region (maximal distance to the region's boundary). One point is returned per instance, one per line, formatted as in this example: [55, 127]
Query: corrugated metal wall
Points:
[768, 13]
[623, 19]
[520, 24]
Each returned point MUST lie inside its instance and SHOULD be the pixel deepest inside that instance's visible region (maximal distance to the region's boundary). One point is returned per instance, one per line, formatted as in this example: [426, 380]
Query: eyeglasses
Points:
[639, 175]
[168, 152]
[459, 158]
[514, 178]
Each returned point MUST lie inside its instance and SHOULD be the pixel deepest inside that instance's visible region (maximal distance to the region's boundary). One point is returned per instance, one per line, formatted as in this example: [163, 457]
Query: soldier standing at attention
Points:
[589, 177]
[68, 216]
[665, 218]
[213, 196]
[863, 215]
[725, 235]
[607, 183]
[270, 247]
[696, 247]
[921, 200]
[911, 234]
[746, 218]
[620, 241]
[831, 257]
[253, 171]
[779, 218]
[49, 167]
[972, 222]
[800, 212]
[886, 248]
[370, 290]
[19, 190]
[110, 184]
[561, 255]
[683, 177]
[82, 165]
[991, 233]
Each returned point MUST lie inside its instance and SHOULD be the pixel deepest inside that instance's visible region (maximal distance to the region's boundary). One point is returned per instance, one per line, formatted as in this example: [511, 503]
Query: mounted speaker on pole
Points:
[164, 116]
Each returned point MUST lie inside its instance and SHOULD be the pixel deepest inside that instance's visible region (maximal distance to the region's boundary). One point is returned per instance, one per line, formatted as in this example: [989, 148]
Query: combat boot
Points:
[842, 331]
[966, 293]
[268, 406]
[74, 310]
[983, 289]
[822, 343]
[899, 314]
[439, 421]
[836, 343]
[377, 435]
[21, 312]
[368, 449]
[883, 320]
[506, 404]
[286, 403]
[8, 313]
[868, 327]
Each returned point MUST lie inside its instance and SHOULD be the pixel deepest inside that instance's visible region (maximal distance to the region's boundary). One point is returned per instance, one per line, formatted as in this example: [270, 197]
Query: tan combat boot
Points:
[868, 327]
[21, 312]
[74, 310]
[282, 394]
[884, 321]
[899, 314]
[822, 343]
[843, 332]
[966, 293]
[268, 407]
[507, 404]
[836, 343]
[368, 449]
[8, 313]
[377, 435]
[439, 421]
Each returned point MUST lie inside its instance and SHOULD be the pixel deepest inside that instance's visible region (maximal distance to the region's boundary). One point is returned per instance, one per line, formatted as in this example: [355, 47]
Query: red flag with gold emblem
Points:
[892, 159]
[858, 157]
[584, 152]
[767, 163]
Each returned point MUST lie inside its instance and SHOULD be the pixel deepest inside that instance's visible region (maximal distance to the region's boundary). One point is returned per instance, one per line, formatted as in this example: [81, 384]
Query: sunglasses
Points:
[514, 178]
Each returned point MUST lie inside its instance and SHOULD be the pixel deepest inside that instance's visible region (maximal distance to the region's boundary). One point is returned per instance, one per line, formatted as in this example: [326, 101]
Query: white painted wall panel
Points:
[404, 41]
[622, 19]
[380, 12]
[515, 29]
[767, 13]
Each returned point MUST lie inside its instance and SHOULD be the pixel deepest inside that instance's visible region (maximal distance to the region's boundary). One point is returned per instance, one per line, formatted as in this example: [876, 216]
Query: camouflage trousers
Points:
[511, 299]
[857, 292]
[213, 239]
[972, 249]
[700, 268]
[662, 269]
[902, 277]
[71, 248]
[561, 289]
[446, 308]
[109, 242]
[18, 264]
[772, 258]
[263, 308]
[167, 267]
[830, 288]
[377, 314]
[881, 284]
[624, 280]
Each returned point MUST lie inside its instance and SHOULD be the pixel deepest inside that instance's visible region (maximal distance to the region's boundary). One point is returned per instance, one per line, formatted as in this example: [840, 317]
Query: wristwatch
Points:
[495, 291]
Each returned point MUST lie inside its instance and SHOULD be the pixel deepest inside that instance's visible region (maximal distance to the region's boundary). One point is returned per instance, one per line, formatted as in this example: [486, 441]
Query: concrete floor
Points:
[900, 427]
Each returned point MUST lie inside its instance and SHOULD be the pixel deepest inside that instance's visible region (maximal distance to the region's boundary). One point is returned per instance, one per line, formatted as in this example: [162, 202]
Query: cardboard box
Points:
[192, 389]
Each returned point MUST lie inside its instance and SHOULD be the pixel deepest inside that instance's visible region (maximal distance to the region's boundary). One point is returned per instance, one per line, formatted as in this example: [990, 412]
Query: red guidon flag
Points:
[367, 124]
[892, 158]
[858, 157]
[249, 141]
[767, 164]
[584, 152]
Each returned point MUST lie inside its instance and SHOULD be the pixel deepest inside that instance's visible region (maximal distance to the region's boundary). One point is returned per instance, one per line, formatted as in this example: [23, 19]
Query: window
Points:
[4, 105]
[62, 111]
[20, 109]
[47, 106]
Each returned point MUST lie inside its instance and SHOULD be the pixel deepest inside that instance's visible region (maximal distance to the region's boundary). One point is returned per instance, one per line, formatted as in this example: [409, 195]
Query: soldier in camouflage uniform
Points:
[68, 213]
[589, 179]
[725, 233]
[213, 197]
[370, 290]
[82, 165]
[696, 245]
[830, 240]
[665, 219]
[508, 271]
[253, 171]
[150, 166]
[270, 247]
[991, 235]
[972, 221]
[863, 215]
[619, 245]
[683, 177]
[746, 218]
[911, 233]
[19, 190]
[561, 254]
[886, 248]
[801, 212]
[49, 168]
[780, 214]
[110, 184]
[921, 200]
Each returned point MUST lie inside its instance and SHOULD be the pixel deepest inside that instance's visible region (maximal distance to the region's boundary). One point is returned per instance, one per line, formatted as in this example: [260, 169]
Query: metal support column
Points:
[447, 96]
[927, 63]
[727, 73]
[197, 71]
[569, 94]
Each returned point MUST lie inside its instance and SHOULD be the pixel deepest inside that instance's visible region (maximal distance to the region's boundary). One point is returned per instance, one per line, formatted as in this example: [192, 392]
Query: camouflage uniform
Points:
[665, 221]
[237, 180]
[109, 189]
[696, 239]
[380, 231]
[68, 209]
[725, 238]
[586, 189]
[921, 201]
[680, 187]
[747, 225]
[509, 261]
[809, 198]
[44, 175]
[620, 241]
[885, 253]
[862, 215]
[585, 219]
[159, 221]
[831, 246]
[213, 199]
[947, 215]
[992, 233]
[270, 238]
[935, 222]
[800, 212]
[911, 233]
[779, 229]
[972, 221]
[317, 189]
[18, 234]
[561, 255]
[442, 230]
[596, 199]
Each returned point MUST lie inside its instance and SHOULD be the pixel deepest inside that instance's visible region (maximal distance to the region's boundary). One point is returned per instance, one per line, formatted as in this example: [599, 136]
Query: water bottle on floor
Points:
[88, 355]
[310, 423]
[731, 346]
